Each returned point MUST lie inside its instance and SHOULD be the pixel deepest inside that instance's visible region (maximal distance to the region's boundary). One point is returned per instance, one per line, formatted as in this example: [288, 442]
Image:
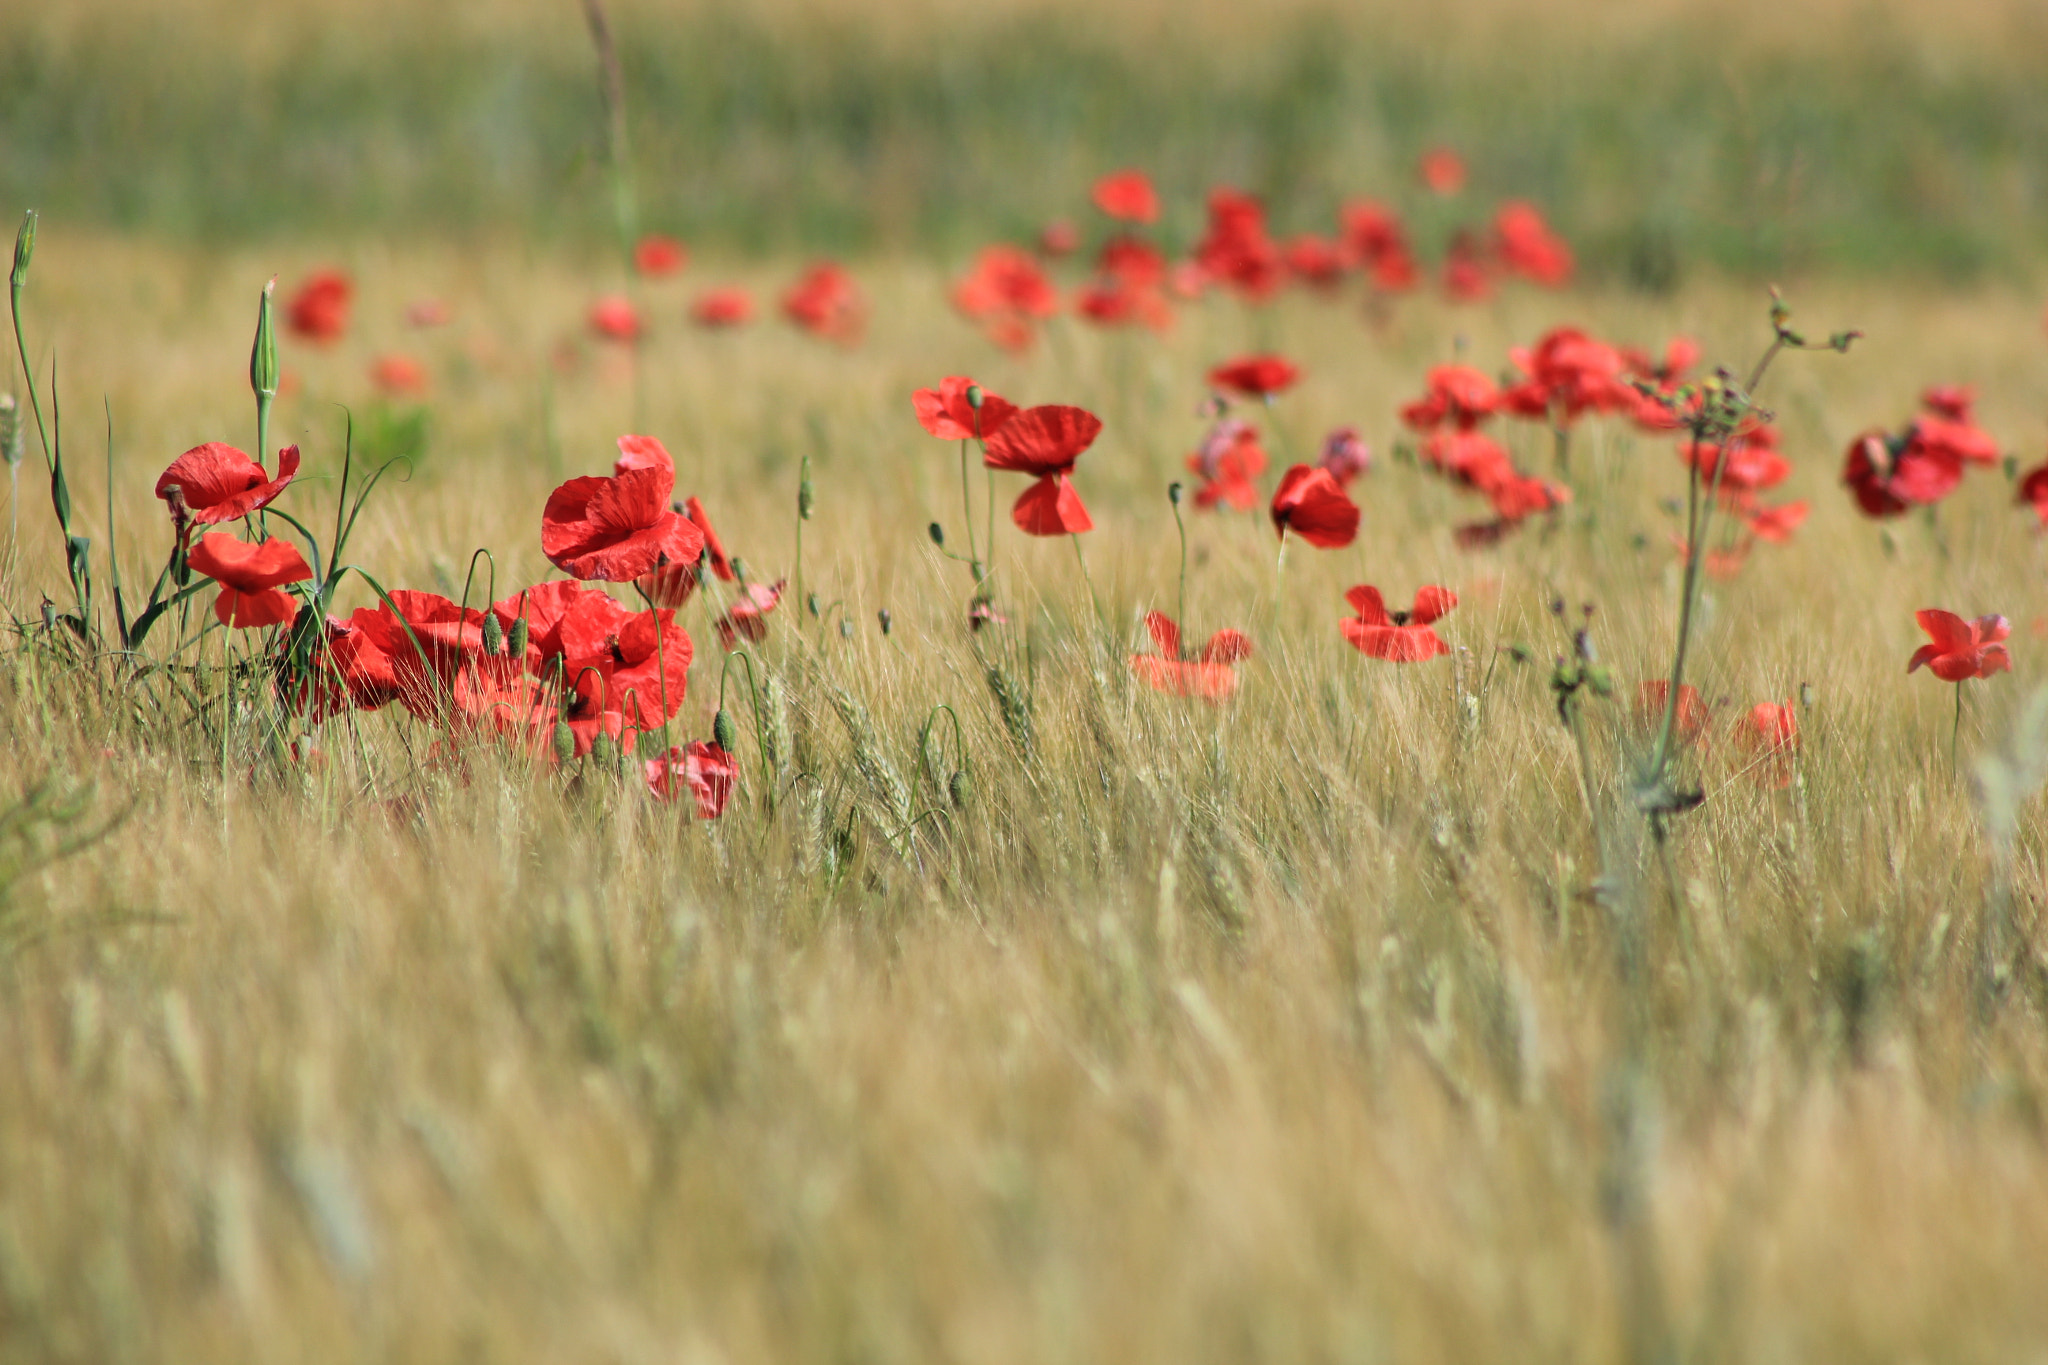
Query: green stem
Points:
[1956, 730]
[1181, 603]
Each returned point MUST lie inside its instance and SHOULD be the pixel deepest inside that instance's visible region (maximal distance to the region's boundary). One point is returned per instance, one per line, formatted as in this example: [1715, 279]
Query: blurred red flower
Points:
[1255, 376]
[251, 578]
[399, 376]
[2033, 491]
[1691, 721]
[1527, 247]
[1776, 524]
[1961, 649]
[614, 318]
[1458, 394]
[827, 303]
[1401, 637]
[1228, 459]
[727, 306]
[1236, 249]
[1467, 278]
[704, 770]
[1006, 292]
[1345, 454]
[1748, 463]
[1128, 197]
[620, 527]
[219, 483]
[946, 413]
[1373, 240]
[1442, 171]
[1310, 504]
[1208, 674]
[1058, 238]
[1315, 261]
[1045, 441]
[655, 256]
[1771, 730]
[747, 618]
[1569, 374]
[319, 311]
[1889, 474]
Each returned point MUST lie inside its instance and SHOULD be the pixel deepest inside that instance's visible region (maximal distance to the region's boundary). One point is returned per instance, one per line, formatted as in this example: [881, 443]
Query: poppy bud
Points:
[739, 568]
[811, 604]
[723, 732]
[24, 249]
[604, 749]
[494, 635]
[263, 354]
[938, 534]
[49, 615]
[10, 429]
[1173, 493]
[1600, 680]
[804, 500]
[845, 629]
[1806, 696]
[973, 392]
[565, 742]
[517, 642]
[884, 617]
[960, 789]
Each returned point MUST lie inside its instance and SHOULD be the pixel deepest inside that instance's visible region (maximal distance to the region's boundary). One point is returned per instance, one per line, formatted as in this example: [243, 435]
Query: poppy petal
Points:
[1051, 507]
[1043, 440]
[1370, 606]
[1432, 604]
[1165, 633]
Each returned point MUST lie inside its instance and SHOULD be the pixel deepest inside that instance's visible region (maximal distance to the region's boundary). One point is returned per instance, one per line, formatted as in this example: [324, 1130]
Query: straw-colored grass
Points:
[1286, 1030]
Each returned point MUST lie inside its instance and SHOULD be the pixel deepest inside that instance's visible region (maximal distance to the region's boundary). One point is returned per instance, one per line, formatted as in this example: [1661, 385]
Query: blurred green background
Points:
[1676, 142]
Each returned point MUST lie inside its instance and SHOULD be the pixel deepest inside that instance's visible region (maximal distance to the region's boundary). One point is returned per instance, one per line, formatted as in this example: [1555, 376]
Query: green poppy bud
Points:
[805, 500]
[494, 634]
[938, 534]
[845, 629]
[885, 618]
[263, 354]
[10, 429]
[739, 567]
[518, 639]
[811, 604]
[1173, 493]
[24, 249]
[960, 788]
[723, 732]
[565, 742]
[604, 749]
[974, 397]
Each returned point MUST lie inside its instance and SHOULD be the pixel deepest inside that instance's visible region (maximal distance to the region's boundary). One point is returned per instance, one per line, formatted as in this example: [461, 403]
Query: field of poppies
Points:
[1224, 772]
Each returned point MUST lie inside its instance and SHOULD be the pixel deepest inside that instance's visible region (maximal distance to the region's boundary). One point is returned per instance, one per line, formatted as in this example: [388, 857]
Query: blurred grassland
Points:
[1764, 138]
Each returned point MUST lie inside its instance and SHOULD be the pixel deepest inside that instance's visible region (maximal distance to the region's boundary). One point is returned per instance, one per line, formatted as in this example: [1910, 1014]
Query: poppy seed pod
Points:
[565, 742]
[960, 789]
[885, 618]
[494, 634]
[938, 534]
[24, 249]
[516, 642]
[604, 750]
[973, 390]
[723, 732]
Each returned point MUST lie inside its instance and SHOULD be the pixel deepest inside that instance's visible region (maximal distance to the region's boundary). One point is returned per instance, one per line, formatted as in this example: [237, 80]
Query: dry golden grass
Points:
[1283, 1030]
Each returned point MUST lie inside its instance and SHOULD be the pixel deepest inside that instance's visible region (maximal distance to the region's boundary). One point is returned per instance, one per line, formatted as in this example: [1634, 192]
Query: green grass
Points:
[1671, 142]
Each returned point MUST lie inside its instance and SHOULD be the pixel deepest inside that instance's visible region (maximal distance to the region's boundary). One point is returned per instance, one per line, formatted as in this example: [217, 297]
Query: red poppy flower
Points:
[1229, 458]
[1471, 458]
[946, 413]
[704, 770]
[1058, 238]
[1208, 674]
[319, 311]
[672, 586]
[427, 313]
[748, 617]
[619, 528]
[1749, 463]
[1524, 495]
[1310, 504]
[827, 303]
[219, 483]
[1467, 278]
[1959, 441]
[1133, 261]
[1255, 376]
[251, 578]
[1316, 261]
[419, 640]
[1953, 401]
[1045, 441]
[1442, 171]
[1528, 247]
[1691, 721]
[1570, 374]
[1345, 454]
[1961, 649]
[399, 376]
[1771, 729]
[1372, 238]
[724, 307]
[655, 256]
[1127, 196]
[2033, 492]
[623, 674]
[1006, 292]
[614, 318]
[1889, 474]
[1236, 249]
[1402, 637]
[1112, 301]
[1776, 524]
[1458, 394]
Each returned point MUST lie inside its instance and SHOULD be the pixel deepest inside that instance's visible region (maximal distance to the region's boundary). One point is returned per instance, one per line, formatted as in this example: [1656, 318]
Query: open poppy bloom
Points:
[1470, 458]
[672, 586]
[619, 528]
[748, 617]
[723, 307]
[399, 376]
[1316, 261]
[946, 413]
[1310, 504]
[1748, 462]
[1690, 723]
[1229, 458]
[1442, 171]
[1776, 524]
[1236, 250]
[1345, 454]
[1208, 674]
[319, 311]
[251, 578]
[2033, 492]
[614, 318]
[1128, 197]
[1255, 376]
[655, 256]
[1569, 374]
[1007, 293]
[704, 770]
[827, 303]
[1045, 441]
[1961, 649]
[1771, 730]
[1401, 637]
[1456, 394]
[1372, 239]
[219, 483]
[1890, 474]
[1527, 246]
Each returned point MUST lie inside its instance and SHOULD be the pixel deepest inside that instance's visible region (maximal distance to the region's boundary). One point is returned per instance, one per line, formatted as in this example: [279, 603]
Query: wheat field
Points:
[1352, 1019]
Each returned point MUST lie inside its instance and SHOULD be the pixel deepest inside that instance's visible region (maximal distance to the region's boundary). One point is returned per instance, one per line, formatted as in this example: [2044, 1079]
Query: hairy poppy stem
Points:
[1956, 730]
